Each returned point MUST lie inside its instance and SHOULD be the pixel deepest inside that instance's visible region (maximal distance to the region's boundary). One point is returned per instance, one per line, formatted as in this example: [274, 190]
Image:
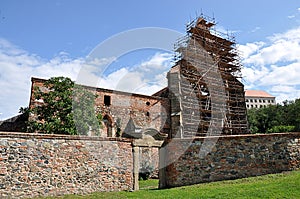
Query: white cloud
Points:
[158, 62]
[284, 47]
[249, 49]
[220, 30]
[274, 65]
[294, 15]
[283, 75]
[146, 77]
[283, 89]
[255, 29]
[16, 69]
[91, 70]
[290, 35]
[18, 66]
[282, 96]
[254, 74]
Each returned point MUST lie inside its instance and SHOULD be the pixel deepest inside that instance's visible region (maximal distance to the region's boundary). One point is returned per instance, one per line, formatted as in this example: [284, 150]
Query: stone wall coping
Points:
[147, 141]
[96, 138]
[22, 135]
[292, 134]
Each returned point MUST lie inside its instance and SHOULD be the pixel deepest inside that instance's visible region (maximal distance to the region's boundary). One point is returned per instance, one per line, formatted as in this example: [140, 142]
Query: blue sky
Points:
[46, 28]
[50, 38]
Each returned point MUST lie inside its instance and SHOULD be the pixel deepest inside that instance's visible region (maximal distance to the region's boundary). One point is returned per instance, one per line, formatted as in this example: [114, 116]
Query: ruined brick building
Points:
[204, 95]
[130, 112]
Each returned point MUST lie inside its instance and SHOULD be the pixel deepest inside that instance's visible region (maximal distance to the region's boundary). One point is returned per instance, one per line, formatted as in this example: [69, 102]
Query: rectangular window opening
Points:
[107, 101]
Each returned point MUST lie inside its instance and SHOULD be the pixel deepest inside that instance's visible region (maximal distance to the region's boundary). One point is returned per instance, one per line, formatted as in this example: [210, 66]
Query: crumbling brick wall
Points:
[117, 108]
[145, 111]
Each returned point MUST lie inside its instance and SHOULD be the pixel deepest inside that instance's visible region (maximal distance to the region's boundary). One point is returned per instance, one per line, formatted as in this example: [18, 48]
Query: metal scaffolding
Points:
[206, 93]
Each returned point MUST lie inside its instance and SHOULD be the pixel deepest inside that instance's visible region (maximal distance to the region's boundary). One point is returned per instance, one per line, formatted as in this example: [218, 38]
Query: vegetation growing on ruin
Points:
[65, 108]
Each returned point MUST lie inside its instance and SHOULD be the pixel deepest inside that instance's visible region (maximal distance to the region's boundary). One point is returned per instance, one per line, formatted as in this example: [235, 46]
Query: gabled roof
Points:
[257, 93]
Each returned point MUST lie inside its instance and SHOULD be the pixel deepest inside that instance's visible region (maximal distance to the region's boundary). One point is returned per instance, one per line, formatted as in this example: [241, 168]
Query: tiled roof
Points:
[257, 93]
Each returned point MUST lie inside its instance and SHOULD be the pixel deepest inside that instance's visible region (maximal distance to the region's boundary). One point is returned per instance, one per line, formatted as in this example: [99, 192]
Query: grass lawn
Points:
[284, 185]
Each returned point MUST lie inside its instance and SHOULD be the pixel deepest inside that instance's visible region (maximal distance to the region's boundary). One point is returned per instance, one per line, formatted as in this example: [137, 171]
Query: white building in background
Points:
[258, 99]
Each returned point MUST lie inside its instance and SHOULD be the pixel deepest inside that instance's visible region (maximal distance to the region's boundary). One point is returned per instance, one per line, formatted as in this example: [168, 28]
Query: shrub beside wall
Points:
[33, 165]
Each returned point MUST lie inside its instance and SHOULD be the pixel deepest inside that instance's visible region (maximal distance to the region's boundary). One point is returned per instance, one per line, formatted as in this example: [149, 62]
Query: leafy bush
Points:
[281, 129]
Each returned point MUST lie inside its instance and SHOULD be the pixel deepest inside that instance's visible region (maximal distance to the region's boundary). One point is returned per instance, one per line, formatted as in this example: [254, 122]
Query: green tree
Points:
[278, 118]
[252, 121]
[292, 114]
[84, 115]
[65, 109]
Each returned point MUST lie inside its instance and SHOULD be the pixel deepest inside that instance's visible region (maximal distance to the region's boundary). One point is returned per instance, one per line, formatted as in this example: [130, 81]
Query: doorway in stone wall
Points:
[149, 163]
[107, 125]
[146, 155]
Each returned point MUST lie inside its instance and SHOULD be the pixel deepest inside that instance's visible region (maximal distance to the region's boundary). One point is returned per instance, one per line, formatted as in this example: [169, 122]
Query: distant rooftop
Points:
[257, 93]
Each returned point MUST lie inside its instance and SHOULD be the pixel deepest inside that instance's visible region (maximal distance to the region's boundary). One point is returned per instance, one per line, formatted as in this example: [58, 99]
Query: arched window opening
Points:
[107, 125]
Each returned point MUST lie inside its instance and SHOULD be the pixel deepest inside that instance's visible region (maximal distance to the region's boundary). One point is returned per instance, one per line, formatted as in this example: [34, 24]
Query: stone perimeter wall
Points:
[230, 158]
[50, 165]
